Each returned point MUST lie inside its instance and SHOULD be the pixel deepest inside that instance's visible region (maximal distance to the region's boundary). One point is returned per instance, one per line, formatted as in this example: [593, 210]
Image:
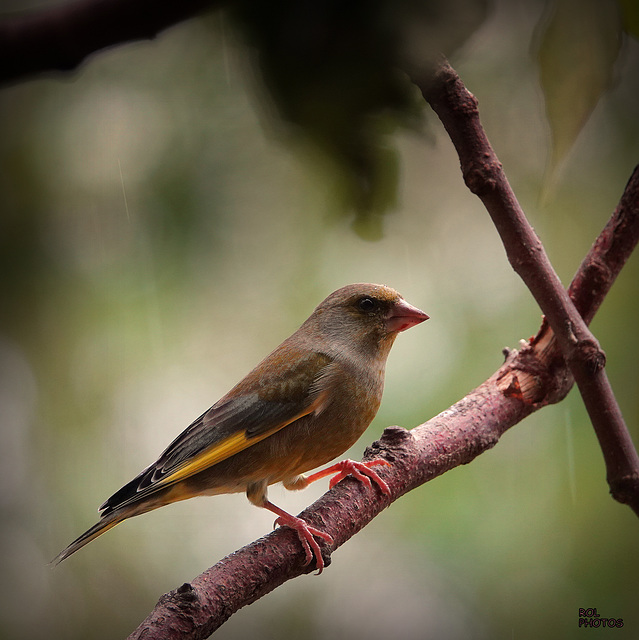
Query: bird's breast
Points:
[353, 399]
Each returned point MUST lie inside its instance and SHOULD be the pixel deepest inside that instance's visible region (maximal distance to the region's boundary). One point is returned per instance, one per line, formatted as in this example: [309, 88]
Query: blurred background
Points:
[161, 232]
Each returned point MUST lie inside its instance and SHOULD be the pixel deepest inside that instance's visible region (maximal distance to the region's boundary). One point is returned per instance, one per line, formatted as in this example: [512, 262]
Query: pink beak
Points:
[404, 316]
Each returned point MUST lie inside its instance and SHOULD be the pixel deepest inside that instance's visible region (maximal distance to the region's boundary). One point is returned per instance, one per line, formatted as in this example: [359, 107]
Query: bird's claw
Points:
[362, 471]
[305, 533]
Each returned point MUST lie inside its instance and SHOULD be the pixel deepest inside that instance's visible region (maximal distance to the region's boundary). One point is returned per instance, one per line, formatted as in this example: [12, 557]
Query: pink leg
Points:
[360, 470]
[305, 533]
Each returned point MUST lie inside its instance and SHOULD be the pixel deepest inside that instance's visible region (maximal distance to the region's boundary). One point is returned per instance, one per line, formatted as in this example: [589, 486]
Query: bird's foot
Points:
[360, 470]
[305, 532]
[306, 535]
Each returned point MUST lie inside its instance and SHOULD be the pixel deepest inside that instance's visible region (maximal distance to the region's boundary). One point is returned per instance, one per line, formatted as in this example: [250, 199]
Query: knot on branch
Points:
[184, 597]
[590, 355]
[394, 435]
[483, 176]
[624, 489]
[389, 445]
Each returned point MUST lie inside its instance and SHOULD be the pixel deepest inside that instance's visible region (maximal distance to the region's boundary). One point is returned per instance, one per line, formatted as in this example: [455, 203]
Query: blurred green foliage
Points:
[630, 16]
[159, 235]
[579, 43]
[335, 71]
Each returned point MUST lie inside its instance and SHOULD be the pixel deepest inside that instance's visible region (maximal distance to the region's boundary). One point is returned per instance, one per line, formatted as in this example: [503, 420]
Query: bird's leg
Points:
[360, 470]
[256, 493]
[304, 532]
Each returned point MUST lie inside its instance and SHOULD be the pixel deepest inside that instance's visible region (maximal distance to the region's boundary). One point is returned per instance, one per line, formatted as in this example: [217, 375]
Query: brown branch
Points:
[528, 380]
[59, 38]
[457, 108]
[622, 464]
[608, 255]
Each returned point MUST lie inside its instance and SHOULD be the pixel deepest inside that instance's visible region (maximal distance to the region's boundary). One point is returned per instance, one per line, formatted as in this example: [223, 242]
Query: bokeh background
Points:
[161, 233]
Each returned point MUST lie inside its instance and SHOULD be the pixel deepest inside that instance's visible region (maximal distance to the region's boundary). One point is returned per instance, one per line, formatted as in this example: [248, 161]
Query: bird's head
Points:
[366, 314]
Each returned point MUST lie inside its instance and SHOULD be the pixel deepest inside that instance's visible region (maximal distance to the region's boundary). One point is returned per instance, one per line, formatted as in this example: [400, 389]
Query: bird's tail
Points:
[107, 522]
[114, 512]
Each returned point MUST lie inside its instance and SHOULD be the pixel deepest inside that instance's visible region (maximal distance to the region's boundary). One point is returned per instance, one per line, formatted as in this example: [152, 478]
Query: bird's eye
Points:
[367, 304]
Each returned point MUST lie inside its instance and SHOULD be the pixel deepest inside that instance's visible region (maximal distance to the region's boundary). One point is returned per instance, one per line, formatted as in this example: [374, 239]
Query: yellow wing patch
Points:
[207, 458]
[230, 446]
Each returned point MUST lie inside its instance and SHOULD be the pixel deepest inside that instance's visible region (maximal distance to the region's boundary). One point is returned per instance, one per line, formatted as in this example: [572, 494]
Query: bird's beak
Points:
[404, 316]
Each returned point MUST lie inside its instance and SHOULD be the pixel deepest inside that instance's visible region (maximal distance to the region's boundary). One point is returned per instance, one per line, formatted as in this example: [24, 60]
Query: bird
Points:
[301, 407]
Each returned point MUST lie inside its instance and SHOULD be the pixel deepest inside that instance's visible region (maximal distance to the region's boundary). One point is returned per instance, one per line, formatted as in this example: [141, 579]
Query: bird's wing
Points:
[248, 414]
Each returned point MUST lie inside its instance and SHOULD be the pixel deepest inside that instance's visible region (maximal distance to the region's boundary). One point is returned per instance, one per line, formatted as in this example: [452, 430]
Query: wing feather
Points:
[236, 422]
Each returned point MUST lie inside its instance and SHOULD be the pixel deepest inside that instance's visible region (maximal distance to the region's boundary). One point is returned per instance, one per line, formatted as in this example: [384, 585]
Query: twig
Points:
[529, 379]
[59, 38]
[457, 108]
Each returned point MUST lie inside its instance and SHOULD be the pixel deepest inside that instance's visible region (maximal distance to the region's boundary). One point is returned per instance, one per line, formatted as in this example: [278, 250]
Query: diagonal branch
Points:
[59, 38]
[457, 108]
[529, 379]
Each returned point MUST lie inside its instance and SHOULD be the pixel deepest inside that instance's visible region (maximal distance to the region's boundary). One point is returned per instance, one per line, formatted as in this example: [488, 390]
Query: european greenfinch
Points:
[302, 406]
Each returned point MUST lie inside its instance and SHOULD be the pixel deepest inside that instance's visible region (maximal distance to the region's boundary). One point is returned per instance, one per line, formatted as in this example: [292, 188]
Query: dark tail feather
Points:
[113, 513]
[96, 530]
